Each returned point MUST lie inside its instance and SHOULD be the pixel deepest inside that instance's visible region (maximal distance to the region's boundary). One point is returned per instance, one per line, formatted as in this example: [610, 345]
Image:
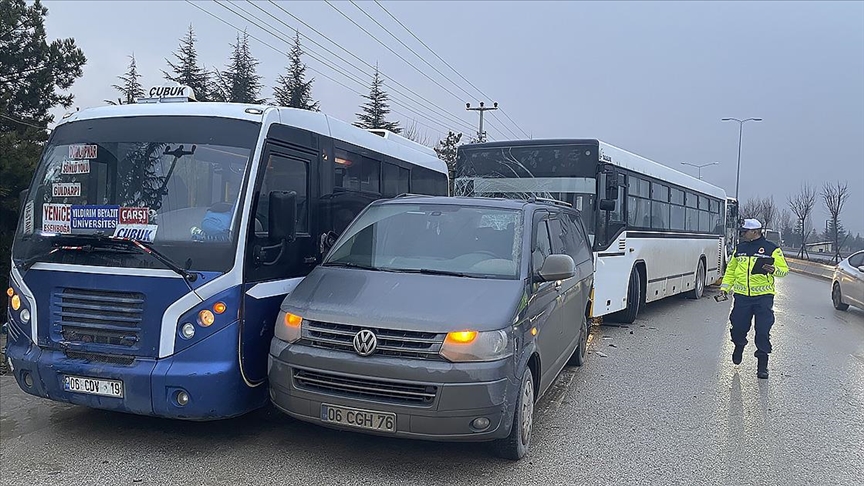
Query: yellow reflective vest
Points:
[739, 276]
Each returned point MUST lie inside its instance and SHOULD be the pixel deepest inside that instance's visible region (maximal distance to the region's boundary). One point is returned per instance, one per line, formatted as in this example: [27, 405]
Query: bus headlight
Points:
[288, 327]
[25, 316]
[476, 346]
[16, 302]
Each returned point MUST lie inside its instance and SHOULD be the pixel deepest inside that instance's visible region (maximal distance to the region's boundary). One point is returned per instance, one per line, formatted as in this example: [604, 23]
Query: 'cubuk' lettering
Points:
[167, 91]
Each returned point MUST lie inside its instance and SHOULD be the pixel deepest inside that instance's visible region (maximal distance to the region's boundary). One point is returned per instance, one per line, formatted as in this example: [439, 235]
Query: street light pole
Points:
[740, 133]
[700, 166]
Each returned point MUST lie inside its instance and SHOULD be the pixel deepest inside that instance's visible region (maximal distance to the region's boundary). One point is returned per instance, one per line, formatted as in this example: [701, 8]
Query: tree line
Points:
[795, 222]
[240, 82]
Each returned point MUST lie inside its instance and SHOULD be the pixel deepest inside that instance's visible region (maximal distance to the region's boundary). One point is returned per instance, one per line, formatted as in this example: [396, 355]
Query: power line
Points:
[393, 80]
[326, 76]
[335, 68]
[425, 61]
[448, 65]
[391, 50]
[429, 104]
[21, 122]
[409, 48]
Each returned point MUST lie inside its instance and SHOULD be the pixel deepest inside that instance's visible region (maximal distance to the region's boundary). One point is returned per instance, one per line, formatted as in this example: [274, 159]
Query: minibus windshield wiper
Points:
[99, 242]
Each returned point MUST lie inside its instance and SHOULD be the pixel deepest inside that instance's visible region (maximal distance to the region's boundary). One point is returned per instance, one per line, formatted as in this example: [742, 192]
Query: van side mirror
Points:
[282, 222]
[557, 267]
[607, 205]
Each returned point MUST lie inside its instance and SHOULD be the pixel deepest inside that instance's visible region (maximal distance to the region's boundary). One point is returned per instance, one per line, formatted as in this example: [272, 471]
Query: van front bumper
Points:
[463, 392]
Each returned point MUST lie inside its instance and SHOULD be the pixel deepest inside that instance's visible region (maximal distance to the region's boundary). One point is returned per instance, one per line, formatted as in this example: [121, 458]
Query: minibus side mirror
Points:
[282, 221]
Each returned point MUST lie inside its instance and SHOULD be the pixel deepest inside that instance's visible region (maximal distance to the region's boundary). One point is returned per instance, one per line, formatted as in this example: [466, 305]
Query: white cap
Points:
[751, 224]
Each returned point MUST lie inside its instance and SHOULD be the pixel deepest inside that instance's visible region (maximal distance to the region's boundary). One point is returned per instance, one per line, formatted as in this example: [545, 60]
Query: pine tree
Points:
[131, 87]
[34, 73]
[187, 71]
[292, 89]
[240, 82]
[376, 108]
[447, 150]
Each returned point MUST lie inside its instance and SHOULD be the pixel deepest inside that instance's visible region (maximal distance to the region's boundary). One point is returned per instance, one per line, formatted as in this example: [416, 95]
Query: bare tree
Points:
[413, 132]
[751, 208]
[801, 205]
[768, 211]
[835, 196]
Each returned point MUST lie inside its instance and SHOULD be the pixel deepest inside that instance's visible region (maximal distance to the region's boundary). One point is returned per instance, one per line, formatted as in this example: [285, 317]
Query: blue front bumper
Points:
[209, 372]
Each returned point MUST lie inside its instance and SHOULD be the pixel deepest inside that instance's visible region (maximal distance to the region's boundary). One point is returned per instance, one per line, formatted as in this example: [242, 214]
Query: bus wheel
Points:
[634, 299]
[699, 285]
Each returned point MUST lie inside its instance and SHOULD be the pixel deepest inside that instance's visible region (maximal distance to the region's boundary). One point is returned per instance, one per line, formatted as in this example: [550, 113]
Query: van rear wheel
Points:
[578, 358]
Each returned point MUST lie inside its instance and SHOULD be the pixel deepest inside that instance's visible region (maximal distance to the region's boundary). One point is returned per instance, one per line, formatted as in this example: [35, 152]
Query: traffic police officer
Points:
[750, 276]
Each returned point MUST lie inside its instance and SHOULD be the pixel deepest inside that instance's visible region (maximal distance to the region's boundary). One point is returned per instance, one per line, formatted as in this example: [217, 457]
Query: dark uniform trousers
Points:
[747, 309]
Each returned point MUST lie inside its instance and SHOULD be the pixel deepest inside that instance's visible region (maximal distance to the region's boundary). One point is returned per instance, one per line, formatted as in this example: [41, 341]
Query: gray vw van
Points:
[437, 318]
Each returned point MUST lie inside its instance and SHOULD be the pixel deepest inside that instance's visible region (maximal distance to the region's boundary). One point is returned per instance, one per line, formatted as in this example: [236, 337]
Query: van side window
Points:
[542, 245]
[575, 240]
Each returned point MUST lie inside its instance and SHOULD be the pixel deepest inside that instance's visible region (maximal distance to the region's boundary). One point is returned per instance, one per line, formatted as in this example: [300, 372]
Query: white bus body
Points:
[652, 245]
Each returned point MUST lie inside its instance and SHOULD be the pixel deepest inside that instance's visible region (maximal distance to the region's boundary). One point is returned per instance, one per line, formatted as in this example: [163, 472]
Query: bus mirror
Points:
[612, 192]
[282, 216]
[607, 205]
[22, 198]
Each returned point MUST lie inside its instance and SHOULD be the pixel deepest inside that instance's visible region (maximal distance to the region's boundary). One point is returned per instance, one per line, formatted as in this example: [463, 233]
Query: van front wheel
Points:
[515, 445]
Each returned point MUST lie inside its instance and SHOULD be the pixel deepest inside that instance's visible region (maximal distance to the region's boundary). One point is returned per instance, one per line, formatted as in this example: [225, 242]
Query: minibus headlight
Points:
[288, 327]
[476, 346]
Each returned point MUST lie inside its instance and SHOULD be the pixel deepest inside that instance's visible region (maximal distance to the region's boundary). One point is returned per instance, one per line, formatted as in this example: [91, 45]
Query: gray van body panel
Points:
[404, 301]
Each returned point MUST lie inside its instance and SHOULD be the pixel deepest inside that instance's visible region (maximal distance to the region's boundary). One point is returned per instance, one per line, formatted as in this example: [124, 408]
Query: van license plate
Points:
[93, 386]
[362, 419]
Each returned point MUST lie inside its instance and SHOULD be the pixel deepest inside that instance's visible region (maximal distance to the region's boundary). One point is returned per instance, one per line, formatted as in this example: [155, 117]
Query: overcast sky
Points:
[652, 78]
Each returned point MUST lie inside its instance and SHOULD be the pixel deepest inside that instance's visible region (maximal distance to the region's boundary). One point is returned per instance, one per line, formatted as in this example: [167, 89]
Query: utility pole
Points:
[481, 135]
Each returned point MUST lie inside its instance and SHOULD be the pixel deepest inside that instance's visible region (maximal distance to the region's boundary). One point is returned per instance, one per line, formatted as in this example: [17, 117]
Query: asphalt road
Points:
[659, 402]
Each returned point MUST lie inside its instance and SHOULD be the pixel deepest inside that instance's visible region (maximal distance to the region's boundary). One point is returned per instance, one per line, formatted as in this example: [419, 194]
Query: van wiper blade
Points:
[432, 271]
[352, 265]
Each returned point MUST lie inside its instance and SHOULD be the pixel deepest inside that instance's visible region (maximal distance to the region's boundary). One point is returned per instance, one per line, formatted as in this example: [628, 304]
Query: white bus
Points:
[656, 232]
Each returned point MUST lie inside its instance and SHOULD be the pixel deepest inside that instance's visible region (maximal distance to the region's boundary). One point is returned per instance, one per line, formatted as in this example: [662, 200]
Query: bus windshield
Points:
[170, 182]
[562, 172]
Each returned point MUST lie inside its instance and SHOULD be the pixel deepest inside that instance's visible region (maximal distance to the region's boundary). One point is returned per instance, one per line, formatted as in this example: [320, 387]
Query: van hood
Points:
[405, 301]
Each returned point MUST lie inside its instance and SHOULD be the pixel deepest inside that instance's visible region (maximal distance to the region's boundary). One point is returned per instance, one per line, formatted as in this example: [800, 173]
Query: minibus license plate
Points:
[362, 419]
[93, 386]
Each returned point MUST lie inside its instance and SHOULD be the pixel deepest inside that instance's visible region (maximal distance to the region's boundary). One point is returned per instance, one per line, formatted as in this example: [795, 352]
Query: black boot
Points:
[736, 355]
[762, 369]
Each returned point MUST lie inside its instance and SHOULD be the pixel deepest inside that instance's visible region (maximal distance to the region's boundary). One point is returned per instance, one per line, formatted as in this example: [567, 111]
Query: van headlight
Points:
[288, 327]
[476, 346]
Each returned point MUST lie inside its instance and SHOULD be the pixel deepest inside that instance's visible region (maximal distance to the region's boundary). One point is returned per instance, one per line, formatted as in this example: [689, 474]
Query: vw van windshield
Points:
[468, 241]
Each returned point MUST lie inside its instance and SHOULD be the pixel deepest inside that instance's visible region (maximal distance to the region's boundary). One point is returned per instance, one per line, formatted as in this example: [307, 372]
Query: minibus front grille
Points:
[102, 317]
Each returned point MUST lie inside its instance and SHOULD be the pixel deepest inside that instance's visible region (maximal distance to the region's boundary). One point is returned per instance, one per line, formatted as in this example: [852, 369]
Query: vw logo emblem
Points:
[365, 342]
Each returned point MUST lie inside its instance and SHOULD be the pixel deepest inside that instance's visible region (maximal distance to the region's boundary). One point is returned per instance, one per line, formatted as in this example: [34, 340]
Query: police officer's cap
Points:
[751, 224]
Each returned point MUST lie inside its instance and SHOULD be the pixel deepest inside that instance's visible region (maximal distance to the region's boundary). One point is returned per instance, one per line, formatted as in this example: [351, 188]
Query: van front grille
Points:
[405, 344]
[397, 392]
